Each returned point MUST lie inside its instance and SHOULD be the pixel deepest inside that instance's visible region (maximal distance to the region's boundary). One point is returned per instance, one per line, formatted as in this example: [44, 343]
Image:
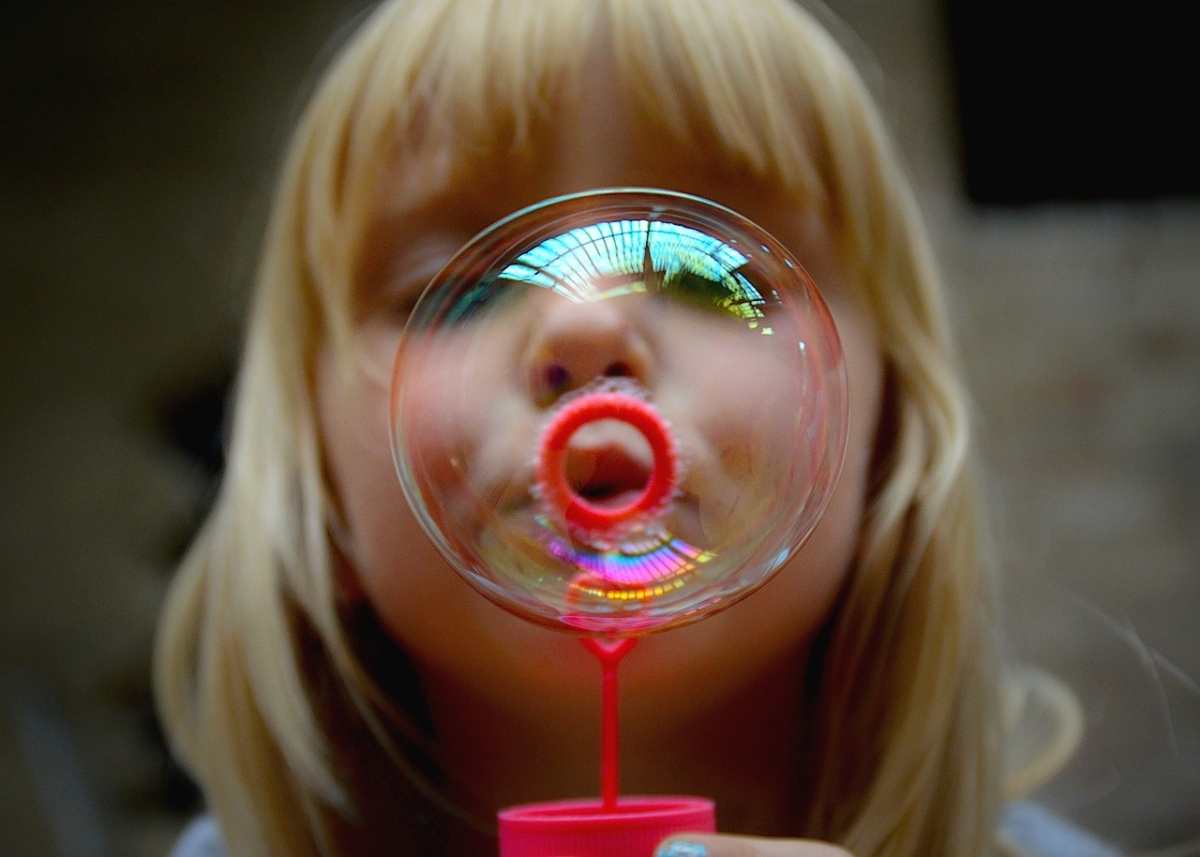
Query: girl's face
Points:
[455, 637]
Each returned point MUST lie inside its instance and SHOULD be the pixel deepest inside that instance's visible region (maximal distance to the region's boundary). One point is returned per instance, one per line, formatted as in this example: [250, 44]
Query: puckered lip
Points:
[608, 462]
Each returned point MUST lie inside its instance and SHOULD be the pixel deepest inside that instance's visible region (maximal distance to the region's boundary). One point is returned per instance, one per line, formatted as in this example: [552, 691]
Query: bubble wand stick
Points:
[609, 654]
[594, 521]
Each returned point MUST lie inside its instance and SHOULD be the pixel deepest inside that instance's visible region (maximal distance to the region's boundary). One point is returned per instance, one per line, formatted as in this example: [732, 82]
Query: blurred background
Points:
[1055, 154]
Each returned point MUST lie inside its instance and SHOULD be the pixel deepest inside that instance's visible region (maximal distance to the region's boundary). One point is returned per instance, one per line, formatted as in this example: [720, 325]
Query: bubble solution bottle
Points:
[660, 406]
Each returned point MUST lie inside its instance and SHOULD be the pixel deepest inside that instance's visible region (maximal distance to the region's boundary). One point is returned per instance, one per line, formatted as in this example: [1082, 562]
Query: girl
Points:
[333, 685]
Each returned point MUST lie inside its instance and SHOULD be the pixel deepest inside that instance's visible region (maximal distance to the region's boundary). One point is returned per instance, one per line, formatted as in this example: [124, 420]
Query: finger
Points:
[745, 846]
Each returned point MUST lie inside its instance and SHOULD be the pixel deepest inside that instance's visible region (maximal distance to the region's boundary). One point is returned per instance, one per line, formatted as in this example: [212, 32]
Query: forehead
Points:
[596, 130]
[607, 100]
[433, 202]
[602, 140]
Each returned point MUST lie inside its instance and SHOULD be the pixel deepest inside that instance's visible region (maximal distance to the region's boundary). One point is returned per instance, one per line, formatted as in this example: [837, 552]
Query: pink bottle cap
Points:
[585, 828]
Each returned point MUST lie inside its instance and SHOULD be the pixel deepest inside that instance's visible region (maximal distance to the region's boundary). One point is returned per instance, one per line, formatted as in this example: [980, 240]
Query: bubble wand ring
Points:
[580, 515]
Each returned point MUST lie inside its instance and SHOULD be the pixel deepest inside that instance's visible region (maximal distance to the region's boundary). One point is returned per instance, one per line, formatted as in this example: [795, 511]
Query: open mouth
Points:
[608, 476]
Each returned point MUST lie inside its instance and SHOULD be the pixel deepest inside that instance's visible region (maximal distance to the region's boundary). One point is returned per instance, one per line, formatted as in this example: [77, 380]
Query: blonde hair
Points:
[906, 738]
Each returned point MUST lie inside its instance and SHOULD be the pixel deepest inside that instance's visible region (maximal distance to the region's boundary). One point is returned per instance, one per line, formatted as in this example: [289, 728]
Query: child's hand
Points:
[746, 846]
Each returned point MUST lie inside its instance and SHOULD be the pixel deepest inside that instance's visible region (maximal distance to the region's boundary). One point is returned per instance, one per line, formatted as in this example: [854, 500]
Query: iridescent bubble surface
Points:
[619, 411]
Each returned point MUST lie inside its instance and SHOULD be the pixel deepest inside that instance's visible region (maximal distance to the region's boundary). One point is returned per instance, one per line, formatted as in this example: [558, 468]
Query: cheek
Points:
[354, 420]
[398, 569]
[744, 430]
[813, 579]
[466, 427]
[439, 620]
[796, 603]
[737, 397]
[864, 378]
[436, 429]
[792, 607]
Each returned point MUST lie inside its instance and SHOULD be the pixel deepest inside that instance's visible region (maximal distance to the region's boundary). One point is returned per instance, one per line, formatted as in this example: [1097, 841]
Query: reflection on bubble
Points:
[641, 256]
[619, 411]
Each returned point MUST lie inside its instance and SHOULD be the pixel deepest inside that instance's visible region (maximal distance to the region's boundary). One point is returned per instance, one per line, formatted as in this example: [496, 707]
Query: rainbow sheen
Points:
[636, 568]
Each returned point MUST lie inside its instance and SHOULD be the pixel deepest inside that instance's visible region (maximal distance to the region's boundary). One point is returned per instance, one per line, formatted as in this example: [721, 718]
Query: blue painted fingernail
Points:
[679, 848]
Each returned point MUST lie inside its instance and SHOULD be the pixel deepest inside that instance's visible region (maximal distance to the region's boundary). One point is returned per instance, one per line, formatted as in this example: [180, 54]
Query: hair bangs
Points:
[424, 84]
[728, 78]
[455, 94]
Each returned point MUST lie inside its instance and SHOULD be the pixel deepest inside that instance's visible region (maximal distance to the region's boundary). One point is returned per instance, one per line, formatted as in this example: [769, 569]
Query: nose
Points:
[573, 343]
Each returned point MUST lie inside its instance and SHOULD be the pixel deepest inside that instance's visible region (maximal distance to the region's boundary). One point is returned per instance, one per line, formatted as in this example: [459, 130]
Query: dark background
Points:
[1073, 101]
[1053, 148]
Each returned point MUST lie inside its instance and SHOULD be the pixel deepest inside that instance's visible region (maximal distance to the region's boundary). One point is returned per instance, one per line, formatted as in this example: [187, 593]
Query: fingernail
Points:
[680, 848]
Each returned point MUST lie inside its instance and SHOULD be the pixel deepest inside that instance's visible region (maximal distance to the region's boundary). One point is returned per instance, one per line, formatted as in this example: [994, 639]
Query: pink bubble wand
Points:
[590, 520]
[615, 827]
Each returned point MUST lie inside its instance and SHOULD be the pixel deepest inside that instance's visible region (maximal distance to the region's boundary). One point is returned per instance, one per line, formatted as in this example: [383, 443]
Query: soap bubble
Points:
[619, 411]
